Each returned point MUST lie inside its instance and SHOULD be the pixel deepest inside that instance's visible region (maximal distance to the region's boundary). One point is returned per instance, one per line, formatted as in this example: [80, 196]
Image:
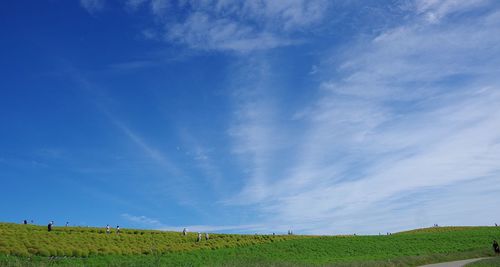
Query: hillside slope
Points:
[26, 240]
[23, 245]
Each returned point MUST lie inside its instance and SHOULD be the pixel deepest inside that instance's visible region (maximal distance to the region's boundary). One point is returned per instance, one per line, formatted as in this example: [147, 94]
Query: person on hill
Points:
[184, 232]
[67, 224]
[496, 248]
[117, 229]
[199, 237]
[49, 226]
[108, 229]
[206, 236]
[25, 222]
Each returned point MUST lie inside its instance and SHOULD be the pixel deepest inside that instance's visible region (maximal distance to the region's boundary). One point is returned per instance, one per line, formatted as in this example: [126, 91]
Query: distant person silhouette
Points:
[206, 236]
[117, 229]
[199, 237]
[108, 229]
[184, 232]
[49, 226]
[495, 247]
[25, 222]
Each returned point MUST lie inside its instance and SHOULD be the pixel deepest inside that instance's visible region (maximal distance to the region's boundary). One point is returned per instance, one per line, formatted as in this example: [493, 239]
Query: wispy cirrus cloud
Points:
[201, 31]
[145, 221]
[240, 26]
[142, 220]
[434, 10]
[157, 7]
[204, 160]
[245, 25]
[411, 112]
[402, 120]
[92, 6]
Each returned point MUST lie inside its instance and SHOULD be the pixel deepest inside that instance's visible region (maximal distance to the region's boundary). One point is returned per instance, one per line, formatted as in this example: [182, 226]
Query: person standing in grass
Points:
[25, 222]
[117, 229]
[108, 229]
[184, 232]
[496, 248]
[206, 236]
[49, 226]
[199, 237]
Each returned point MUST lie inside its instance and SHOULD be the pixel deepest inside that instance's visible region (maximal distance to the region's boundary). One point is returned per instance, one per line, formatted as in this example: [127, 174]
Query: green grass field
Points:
[485, 263]
[29, 245]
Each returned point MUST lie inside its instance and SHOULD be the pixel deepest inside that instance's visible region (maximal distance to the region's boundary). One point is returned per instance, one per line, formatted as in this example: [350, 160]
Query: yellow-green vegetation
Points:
[26, 240]
[28, 245]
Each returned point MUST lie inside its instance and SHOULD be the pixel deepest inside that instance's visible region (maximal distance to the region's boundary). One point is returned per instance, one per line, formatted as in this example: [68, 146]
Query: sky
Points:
[317, 116]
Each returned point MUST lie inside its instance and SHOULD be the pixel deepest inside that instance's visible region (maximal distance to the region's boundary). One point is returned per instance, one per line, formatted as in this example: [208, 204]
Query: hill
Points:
[23, 245]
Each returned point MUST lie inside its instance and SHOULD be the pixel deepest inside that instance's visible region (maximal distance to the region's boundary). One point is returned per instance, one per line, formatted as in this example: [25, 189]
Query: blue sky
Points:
[324, 117]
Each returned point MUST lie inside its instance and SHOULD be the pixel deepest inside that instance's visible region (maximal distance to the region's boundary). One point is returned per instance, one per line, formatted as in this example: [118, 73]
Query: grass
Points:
[28, 245]
[29, 240]
[486, 262]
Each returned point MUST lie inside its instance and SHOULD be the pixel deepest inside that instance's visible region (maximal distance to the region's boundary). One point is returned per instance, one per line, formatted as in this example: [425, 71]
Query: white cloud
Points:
[145, 221]
[241, 26]
[434, 10]
[142, 220]
[212, 228]
[159, 7]
[203, 32]
[258, 138]
[204, 160]
[285, 15]
[92, 6]
[411, 118]
[413, 112]
[134, 4]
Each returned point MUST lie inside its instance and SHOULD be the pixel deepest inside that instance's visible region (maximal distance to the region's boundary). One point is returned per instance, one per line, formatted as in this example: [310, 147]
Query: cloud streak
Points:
[145, 221]
[433, 11]
[92, 6]
[401, 120]
[394, 124]
[238, 26]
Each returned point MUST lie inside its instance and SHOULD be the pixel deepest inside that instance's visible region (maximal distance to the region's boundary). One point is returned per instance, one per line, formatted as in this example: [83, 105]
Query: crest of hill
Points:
[81, 246]
[442, 229]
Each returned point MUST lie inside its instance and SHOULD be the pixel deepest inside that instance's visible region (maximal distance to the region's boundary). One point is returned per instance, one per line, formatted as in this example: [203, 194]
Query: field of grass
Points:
[28, 245]
[485, 263]
[28, 240]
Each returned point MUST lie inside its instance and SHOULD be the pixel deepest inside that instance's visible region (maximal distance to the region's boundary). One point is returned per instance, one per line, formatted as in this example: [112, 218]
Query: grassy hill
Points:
[25, 245]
